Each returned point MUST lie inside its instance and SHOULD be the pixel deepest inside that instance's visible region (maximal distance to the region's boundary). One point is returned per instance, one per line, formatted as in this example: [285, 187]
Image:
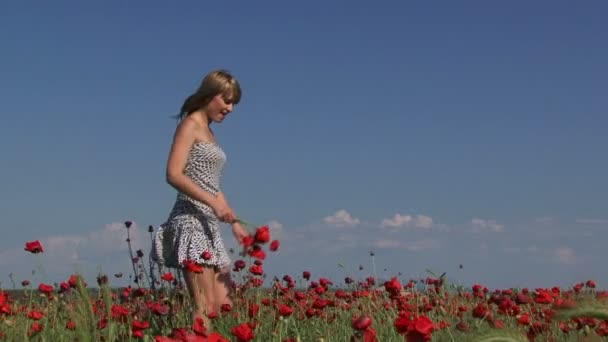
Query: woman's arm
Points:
[221, 198]
[239, 232]
[178, 157]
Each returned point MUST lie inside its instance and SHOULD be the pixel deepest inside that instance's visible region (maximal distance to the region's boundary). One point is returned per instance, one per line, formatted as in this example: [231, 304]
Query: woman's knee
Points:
[224, 278]
[210, 307]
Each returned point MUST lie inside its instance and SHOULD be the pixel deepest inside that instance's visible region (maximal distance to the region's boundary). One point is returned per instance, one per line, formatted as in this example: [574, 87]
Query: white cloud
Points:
[518, 250]
[413, 246]
[387, 243]
[594, 221]
[399, 220]
[565, 255]
[533, 249]
[105, 248]
[275, 225]
[561, 255]
[109, 239]
[512, 250]
[423, 245]
[67, 246]
[276, 230]
[423, 222]
[113, 238]
[481, 225]
[345, 241]
[545, 220]
[341, 218]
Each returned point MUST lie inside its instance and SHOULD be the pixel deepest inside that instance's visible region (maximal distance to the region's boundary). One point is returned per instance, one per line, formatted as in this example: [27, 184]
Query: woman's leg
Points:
[194, 289]
[201, 287]
[206, 286]
[224, 287]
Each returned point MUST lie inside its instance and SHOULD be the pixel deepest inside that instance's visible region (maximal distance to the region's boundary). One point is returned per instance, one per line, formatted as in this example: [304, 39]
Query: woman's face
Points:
[219, 107]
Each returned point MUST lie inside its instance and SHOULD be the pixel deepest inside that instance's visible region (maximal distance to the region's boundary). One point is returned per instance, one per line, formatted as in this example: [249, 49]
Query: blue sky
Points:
[433, 133]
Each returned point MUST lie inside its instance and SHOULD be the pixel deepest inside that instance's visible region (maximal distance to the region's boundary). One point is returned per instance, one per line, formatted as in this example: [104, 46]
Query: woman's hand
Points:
[239, 232]
[223, 212]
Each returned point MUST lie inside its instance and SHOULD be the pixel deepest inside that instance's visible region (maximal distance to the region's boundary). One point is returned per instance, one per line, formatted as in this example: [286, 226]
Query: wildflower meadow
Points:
[297, 307]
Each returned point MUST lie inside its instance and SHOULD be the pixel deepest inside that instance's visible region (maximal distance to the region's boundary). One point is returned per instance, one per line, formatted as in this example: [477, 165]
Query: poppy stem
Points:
[132, 261]
[152, 278]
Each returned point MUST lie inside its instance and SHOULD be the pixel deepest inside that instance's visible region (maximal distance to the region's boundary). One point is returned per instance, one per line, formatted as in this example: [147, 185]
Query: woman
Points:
[190, 239]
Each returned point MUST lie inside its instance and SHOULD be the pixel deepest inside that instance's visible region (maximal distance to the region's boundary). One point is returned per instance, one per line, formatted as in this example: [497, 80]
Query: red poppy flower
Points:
[199, 327]
[139, 325]
[285, 310]
[524, 319]
[262, 234]
[256, 269]
[256, 282]
[248, 241]
[193, 266]
[320, 303]
[496, 323]
[216, 337]
[257, 252]
[70, 325]
[35, 328]
[239, 265]
[242, 332]
[35, 315]
[45, 288]
[253, 310]
[422, 329]
[274, 245]
[370, 335]
[119, 312]
[324, 282]
[102, 323]
[34, 247]
[167, 276]
[361, 323]
[543, 297]
[74, 279]
[393, 286]
[462, 326]
[310, 312]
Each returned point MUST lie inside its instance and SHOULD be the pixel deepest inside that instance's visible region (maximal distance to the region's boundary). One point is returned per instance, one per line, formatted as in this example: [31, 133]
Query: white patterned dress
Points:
[192, 227]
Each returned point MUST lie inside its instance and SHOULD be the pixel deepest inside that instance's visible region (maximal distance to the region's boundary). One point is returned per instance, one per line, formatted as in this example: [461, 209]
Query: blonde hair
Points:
[216, 82]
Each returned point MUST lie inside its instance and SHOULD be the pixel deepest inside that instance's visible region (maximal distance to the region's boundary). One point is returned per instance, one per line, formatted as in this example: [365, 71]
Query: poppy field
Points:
[295, 307]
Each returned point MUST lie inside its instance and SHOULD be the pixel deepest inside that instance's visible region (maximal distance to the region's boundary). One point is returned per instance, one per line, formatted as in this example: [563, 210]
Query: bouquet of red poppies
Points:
[252, 244]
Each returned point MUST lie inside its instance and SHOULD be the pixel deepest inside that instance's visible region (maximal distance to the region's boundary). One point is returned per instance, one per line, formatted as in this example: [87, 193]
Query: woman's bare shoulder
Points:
[193, 128]
[187, 127]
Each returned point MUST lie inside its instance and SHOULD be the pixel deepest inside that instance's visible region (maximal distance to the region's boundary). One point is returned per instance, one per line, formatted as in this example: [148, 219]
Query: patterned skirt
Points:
[190, 230]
